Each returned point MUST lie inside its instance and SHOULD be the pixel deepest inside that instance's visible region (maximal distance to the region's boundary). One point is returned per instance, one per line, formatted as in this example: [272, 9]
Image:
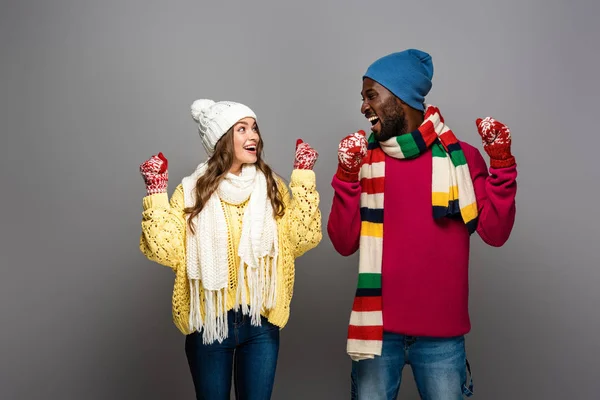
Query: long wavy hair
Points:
[219, 165]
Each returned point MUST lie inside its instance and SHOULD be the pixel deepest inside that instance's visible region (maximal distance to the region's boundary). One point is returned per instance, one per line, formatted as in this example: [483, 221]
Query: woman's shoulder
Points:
[279, 179]
[282, 183]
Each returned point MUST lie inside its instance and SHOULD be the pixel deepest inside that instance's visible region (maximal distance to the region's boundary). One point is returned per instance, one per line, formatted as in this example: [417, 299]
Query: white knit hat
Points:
[215, 119]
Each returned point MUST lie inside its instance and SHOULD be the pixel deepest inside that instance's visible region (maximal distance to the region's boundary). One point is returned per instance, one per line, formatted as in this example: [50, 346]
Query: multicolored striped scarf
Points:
[452, 196]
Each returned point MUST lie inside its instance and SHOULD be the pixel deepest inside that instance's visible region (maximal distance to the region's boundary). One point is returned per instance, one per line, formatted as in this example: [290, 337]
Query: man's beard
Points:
[394, 123]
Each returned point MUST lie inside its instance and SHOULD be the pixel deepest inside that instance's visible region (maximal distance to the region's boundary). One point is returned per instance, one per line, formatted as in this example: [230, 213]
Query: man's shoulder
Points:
[473, 156]
[467, 146]
[469, 150]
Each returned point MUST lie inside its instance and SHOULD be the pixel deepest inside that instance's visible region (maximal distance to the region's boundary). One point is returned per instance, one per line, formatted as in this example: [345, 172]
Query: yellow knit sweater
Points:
[163, 240]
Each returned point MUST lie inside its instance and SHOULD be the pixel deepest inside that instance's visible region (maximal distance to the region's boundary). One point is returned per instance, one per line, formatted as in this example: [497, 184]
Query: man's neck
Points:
[414, 119]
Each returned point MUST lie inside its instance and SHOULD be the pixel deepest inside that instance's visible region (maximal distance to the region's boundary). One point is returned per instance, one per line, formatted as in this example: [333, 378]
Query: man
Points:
[408, 198]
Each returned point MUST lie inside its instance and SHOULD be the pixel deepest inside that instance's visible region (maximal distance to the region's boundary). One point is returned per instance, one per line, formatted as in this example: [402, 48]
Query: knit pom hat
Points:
[216, 118]
[407, 74]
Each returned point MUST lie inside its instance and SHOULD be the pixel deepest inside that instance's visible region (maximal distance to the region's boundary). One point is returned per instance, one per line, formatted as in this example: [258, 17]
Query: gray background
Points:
[90, 89]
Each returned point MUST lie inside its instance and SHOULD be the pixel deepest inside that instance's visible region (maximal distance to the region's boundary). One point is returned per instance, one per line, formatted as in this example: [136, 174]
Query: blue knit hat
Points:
[407, 74]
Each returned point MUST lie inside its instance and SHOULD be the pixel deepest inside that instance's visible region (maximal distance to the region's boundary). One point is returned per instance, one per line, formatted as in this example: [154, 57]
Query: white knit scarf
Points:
[207, 256]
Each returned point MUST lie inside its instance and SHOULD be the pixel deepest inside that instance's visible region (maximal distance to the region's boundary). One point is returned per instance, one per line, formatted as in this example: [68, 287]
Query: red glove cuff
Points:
[496, 163]
[500, 156]
[346, 176]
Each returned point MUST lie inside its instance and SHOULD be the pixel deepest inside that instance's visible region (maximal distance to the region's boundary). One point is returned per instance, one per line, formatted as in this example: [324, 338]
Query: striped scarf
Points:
[452, 196]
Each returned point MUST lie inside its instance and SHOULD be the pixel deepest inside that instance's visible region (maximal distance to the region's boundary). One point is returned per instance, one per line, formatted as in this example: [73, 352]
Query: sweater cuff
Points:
[158, 200]
[303, 177]
[346, 176]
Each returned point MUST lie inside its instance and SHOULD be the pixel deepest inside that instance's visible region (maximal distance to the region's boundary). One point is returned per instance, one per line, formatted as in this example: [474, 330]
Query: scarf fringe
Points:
[195, 320]
[262, 288]
[214, 326]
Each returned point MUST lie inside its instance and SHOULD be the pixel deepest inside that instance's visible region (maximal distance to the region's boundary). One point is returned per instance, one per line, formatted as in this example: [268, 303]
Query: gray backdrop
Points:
[90, 89]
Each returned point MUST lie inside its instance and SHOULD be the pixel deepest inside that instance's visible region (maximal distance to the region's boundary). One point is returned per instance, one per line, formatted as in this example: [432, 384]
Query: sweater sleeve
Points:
[495, 192]
[303, 216]
[344, 223]
[163, 229]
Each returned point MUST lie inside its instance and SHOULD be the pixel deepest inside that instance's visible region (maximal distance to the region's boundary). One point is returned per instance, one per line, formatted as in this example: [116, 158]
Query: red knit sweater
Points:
[425, 285]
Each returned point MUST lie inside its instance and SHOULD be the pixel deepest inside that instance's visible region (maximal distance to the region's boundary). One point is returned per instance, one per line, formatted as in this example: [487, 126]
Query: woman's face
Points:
[245, 143]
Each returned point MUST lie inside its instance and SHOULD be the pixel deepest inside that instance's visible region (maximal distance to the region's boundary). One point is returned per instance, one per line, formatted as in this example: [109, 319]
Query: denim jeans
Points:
[249, 353]
[439, 368]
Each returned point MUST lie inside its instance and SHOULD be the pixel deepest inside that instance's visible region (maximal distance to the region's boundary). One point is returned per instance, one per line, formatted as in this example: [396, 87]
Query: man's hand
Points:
[496, 142]
[351, 152]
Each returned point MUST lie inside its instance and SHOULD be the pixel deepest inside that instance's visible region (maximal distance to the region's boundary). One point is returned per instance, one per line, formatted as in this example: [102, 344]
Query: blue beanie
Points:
[407, 74]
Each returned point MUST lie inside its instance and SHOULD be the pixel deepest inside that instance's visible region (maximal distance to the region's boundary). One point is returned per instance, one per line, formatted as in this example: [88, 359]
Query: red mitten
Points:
[351, 151]
[496, 142]
[155, 174]
[306, 156]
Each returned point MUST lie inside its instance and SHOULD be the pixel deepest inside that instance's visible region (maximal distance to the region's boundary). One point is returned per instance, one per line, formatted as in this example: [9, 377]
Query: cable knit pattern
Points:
[163, 240]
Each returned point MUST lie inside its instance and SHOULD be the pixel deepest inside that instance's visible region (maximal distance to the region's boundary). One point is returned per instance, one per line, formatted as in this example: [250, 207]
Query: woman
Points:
[231, 234]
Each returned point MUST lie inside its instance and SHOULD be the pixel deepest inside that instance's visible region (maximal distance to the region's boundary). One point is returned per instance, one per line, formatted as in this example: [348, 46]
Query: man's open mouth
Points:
[375, 122]
[373, 119]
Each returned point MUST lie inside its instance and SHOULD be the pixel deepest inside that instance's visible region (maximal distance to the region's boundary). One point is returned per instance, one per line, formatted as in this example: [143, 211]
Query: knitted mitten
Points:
[496, 142]
[155, 174]
[351, 151]
[305, 157]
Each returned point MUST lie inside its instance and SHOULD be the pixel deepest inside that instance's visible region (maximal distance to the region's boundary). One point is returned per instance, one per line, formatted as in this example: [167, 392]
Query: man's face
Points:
[384, 110]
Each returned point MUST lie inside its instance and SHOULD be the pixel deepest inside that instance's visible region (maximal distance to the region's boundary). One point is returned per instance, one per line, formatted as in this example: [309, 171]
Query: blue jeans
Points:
[439, 368]
[249, 354]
